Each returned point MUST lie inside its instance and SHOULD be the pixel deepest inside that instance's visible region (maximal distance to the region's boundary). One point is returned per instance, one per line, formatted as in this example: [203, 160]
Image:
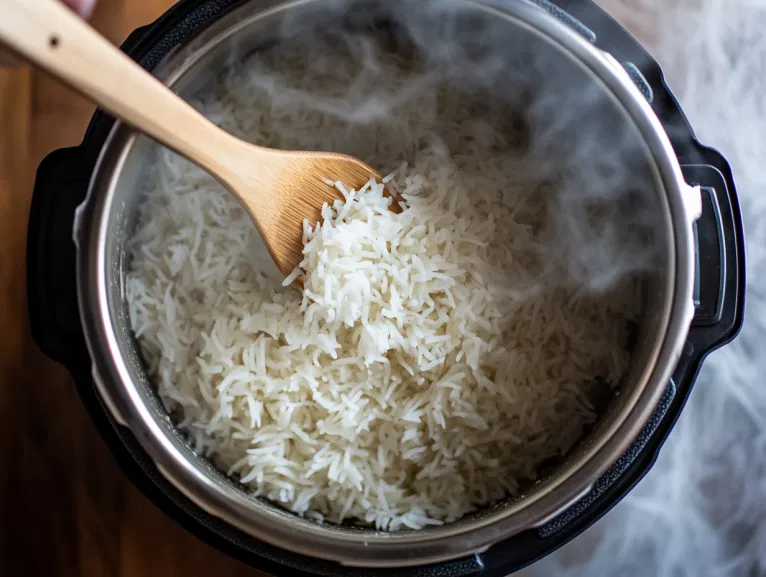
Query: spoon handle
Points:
[53, 37]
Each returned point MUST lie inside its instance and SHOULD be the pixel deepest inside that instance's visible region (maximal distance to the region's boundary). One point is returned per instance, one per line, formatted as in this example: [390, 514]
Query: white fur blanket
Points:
[701, 511]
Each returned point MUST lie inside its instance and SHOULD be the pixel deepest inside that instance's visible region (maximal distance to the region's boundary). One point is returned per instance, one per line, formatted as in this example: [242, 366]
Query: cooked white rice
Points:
[430, 365]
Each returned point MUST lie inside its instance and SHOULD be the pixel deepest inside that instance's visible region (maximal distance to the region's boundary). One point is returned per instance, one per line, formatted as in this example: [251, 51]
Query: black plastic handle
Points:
[60, 186]
[716, 271]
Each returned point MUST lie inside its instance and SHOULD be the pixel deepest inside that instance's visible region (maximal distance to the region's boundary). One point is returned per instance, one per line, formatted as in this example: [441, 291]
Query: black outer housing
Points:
[62, 183]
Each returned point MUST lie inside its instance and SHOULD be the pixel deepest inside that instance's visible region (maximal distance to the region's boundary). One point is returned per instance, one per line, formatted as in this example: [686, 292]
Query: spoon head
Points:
[298, 185]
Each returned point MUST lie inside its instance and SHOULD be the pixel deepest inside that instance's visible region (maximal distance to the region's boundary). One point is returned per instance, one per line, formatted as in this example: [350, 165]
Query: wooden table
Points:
[65, 508]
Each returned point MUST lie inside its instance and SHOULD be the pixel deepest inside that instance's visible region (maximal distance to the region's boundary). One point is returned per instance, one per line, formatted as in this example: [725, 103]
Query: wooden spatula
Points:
[279, 189]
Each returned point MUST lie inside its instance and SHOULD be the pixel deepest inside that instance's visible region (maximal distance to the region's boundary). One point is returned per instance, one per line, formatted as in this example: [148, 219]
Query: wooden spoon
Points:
[279, 189]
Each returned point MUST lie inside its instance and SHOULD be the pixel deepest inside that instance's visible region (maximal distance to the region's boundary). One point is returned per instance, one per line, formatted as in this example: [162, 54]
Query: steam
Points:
[521, 102]
[701, 511]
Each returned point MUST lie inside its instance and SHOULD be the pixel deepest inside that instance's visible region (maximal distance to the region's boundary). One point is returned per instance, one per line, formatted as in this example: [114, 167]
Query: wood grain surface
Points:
[65, 508]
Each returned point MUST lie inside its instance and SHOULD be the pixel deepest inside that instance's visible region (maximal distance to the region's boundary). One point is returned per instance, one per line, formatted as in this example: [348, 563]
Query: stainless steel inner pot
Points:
[104, 223]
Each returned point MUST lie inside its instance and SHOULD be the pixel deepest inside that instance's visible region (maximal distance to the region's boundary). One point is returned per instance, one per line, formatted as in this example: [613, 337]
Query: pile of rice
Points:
[428, 367]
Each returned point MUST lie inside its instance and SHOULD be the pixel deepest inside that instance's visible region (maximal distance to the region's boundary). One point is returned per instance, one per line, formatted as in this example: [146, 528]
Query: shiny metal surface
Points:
[103, 224]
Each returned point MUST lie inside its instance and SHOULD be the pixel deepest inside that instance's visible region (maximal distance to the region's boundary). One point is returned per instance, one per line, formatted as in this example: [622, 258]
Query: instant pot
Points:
[82, 212]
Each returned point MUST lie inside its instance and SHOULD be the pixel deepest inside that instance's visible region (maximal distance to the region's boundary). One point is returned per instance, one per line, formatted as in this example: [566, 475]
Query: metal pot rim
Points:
[383, 549]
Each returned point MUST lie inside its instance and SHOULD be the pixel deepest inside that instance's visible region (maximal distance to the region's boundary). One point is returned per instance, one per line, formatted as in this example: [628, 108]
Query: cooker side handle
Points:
[720, 266]
[60, 186]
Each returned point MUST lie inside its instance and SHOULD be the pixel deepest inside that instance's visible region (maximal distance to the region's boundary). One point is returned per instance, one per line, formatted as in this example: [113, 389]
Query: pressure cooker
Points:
[81, 217]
